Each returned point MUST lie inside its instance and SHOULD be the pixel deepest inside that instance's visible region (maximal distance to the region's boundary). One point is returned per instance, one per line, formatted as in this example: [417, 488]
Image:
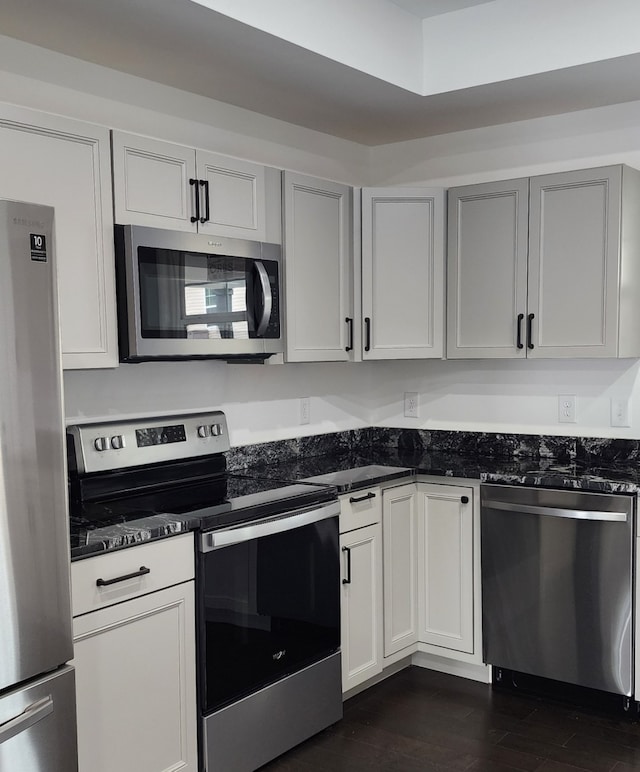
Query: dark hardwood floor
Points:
[420, 720]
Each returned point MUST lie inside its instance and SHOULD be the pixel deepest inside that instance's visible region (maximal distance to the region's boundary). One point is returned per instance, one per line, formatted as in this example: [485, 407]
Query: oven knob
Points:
[101, 443]
[117, 442]
[204, 431]
[216, 430]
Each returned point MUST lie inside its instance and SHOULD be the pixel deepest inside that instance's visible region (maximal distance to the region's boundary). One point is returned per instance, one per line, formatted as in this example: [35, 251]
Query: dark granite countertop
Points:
[350, 470]
[369, 469]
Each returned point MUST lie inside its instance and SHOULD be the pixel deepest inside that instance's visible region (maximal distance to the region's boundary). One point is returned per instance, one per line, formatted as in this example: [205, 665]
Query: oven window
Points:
[195, 296]
[269, 607]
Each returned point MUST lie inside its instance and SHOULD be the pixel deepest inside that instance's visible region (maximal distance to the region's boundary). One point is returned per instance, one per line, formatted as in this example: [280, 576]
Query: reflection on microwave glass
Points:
[217, 301]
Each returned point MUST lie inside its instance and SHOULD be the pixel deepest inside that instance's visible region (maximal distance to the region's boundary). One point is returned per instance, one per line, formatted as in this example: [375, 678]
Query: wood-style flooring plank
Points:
[420, 720]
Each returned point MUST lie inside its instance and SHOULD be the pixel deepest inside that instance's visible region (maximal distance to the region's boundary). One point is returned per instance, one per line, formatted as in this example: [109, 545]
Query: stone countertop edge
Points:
[117, 537]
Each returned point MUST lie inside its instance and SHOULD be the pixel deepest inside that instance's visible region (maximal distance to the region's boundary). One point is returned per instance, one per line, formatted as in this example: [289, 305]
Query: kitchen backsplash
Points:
[564, 450]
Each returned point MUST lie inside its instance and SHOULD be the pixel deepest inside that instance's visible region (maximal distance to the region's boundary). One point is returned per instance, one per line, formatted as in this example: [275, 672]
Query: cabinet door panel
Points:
[445, 578]
[318, 268]
[487, 269]
[574, 263]
[151, 182]
[400, 543]
[236, 196]
[65, 164]
[361, 607]
[403, 272]
[135, 684]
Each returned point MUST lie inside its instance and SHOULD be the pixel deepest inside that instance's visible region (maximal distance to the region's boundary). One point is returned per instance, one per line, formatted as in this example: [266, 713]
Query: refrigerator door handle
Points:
[30, 716]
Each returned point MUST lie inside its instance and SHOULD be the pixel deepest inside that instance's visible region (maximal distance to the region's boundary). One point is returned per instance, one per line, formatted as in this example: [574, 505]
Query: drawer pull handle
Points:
[464, 499]
[140, 572]
[356, 499]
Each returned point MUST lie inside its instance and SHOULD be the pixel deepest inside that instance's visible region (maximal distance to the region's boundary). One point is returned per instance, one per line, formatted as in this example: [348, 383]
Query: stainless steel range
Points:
[267, 582]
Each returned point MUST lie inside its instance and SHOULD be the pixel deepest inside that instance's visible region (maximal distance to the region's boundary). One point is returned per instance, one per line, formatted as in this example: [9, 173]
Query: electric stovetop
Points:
[208, 504]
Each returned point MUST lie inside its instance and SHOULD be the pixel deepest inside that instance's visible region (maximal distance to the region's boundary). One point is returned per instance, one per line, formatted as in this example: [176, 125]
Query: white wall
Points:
[261, 402]
[499, 396]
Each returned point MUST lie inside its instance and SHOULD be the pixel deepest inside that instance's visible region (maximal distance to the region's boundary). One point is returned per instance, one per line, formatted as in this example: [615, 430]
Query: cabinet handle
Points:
[520, 344]
[106, 582]
[530, 319]
[367, 333]
[464, 499]
[348, 579]
[366, 497]
[349, 322]
[194, 184]
[205, 185]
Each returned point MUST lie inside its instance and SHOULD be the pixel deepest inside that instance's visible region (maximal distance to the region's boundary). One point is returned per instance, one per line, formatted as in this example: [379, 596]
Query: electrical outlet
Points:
[567, 408]
[620, 412]
[411, 404]
[305, 410]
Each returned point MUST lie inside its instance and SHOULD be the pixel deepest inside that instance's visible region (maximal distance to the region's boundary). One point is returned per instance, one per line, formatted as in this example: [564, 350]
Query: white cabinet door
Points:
[65, 164]
[546, 266]
[236, 196]
[445, 566]
[135, 684]
[400, 568]
[487, 270]
[318, 268]
[402, 273]
[574, 247]
[151, 182]
[164, 185]
[361, 605]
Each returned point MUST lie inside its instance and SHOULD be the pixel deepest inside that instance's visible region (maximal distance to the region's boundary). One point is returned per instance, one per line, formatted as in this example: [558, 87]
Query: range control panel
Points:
[100, 447]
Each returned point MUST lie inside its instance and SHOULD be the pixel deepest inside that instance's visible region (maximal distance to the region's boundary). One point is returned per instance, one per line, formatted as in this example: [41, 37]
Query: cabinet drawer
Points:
[168, 561]
[360, 508]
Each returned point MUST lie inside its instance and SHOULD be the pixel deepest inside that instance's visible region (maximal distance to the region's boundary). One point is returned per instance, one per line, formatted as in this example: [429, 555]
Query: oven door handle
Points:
[215, 540]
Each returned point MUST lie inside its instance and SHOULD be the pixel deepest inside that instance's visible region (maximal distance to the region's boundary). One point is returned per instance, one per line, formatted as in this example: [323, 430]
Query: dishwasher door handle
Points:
[571, 514]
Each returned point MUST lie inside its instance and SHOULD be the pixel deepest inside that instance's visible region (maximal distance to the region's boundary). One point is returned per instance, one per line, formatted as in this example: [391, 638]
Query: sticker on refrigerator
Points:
[38, 247]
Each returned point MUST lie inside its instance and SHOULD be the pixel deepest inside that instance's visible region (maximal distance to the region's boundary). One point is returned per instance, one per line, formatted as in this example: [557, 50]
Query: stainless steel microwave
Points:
[195, 296]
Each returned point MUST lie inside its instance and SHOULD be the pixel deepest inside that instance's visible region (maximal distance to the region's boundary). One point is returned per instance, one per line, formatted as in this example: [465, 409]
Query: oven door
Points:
[269, 602]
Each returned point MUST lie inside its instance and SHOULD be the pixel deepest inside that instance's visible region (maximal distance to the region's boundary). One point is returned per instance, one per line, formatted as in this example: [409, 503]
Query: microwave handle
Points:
[263, 277]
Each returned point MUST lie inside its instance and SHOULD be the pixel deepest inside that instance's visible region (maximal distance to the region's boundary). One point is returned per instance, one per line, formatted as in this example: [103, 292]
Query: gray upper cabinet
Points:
[164, 185]
[546, 266]
[487, 269]
[402, 273]
[63, 163]
[318, 269]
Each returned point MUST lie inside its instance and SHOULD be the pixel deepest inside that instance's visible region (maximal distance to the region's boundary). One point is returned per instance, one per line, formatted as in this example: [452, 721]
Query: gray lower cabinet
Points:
[135, 660]
[361, 600]
[545, 266]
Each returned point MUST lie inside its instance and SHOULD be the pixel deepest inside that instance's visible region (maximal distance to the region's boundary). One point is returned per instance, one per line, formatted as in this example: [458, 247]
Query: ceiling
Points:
[424, 9]
[185, 45]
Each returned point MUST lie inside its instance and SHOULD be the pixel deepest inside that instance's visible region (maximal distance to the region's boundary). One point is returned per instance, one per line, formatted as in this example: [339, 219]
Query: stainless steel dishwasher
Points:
[557, 577]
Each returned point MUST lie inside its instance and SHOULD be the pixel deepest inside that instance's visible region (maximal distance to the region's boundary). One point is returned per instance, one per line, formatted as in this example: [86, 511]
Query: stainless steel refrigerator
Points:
[37, 689]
